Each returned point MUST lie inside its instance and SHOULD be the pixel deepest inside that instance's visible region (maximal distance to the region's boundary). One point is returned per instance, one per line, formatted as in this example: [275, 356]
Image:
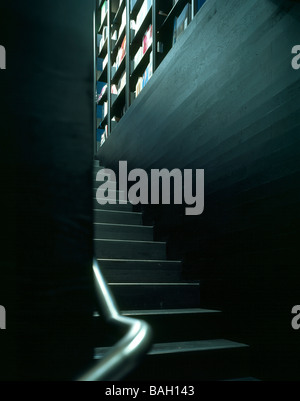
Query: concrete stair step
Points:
[194, 346]
[118, 207]
[170, 324]
[123, 249]
[156, 296]
[213, 359]
[122, 232]
[117, 217]
[150, 271]
[182, 347]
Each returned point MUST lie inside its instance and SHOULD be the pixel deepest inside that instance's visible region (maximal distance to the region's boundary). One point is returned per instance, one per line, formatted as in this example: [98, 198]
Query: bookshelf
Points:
[133, 38]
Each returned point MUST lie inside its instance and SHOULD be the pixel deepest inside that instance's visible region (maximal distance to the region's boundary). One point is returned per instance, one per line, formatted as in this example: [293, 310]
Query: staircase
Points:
[189, 341]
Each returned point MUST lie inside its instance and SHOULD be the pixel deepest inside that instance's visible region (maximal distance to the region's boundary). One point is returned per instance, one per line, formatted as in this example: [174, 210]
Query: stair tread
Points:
[184, 346]
[150, 261]
[118, 202]
[126, 232]
[130, 241]
[181, 284]
[123, 225]
[184, 311]
[111, 190]
[188, 346]
[155, 312]
[117, 211]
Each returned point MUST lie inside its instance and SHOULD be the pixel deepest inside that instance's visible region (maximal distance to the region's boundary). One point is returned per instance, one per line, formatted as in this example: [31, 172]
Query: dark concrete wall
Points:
[46, 119]
[226, 99]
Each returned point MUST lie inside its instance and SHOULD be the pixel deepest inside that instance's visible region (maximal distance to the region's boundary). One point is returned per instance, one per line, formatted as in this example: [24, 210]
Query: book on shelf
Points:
[105, 110]
[121, 54]
[142, 13]
[123, 22]
[142, 81]
[122, 83]
[174, 37]
[132, 29]
[104, 135]
[114, 35]
[138, 86]
[147, 39]
[105, 61]
[98, 75]
[103, 38]
[137, 58]
[102, 93]
[146, 43]
[132, 4]
[181, 23]
[104, 9]
[148, 73]
[114, 89]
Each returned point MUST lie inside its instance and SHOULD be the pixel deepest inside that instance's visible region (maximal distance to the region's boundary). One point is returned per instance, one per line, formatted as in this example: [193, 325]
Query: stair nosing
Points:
[111, 190]
[208, 348]
[165, 312]
[117, 211]
[131, 241]
[154, 312]
[230, 345]
[180, 284]
[139, 260]
[123, 225]
[121, 202]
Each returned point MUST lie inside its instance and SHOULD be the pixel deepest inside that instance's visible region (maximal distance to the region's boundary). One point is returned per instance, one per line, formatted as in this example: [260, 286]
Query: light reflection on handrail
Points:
[122, 358]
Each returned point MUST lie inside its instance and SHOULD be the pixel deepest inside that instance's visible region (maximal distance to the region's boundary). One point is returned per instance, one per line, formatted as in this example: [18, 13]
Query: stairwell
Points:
[189, 341]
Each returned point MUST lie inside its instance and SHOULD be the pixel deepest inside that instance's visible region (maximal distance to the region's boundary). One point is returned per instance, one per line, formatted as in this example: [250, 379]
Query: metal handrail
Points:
[122, 358]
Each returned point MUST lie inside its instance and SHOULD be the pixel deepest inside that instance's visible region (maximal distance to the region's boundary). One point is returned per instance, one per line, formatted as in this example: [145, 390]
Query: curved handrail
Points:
[125, 355]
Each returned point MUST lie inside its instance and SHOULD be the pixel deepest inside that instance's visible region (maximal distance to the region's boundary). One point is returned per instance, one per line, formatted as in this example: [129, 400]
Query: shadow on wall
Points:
[286, 6]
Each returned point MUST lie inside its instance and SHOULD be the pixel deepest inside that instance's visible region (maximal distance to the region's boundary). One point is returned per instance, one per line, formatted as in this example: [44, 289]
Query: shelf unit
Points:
[135, 36]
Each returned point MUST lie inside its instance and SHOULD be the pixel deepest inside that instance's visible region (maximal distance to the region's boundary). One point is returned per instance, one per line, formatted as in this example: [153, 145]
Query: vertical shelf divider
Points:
[109, 15]
[95, 77]
[193, 9]
[128, 55]
[154, 36]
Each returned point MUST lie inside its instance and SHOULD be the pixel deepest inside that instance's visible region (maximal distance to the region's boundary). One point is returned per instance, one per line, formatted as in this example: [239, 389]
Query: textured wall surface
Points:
[46, 119]
[226, 99]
